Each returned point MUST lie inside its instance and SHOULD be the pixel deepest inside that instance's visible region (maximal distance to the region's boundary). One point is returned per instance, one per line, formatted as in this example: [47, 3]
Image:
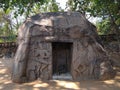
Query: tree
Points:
[51, 6]
[24, 8]
[103, 27]
[29, 7]
[21, 5]
[106, 9]
[6, 27]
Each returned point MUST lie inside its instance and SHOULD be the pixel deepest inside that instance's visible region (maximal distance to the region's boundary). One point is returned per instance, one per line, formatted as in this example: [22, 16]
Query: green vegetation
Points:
[107, 10]
[11, 10]
[7, 32]
[29, 7]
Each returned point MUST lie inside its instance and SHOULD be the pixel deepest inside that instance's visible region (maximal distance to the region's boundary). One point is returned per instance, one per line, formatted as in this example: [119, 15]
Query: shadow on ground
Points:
[6, 83]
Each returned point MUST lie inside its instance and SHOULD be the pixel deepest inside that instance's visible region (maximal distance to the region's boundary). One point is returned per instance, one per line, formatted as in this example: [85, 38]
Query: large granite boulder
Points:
[34, 56]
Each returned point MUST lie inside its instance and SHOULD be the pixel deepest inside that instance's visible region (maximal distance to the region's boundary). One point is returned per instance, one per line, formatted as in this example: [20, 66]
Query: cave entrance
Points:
[62, 57]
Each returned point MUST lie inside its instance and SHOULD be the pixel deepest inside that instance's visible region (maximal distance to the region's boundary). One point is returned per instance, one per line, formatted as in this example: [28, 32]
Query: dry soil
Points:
[7, 84]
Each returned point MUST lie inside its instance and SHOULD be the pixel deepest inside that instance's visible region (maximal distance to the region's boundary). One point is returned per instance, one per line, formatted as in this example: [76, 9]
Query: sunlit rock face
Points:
[51, 43]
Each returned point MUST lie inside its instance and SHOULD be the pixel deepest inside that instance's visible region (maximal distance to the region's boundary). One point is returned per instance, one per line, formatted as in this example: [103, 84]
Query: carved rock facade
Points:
[34, 56]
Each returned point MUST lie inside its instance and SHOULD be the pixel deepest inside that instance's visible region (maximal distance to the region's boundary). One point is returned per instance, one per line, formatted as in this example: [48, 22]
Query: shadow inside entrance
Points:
[61, 63]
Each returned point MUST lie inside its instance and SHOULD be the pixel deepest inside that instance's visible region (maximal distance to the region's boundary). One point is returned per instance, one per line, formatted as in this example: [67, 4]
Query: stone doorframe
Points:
[61, 57]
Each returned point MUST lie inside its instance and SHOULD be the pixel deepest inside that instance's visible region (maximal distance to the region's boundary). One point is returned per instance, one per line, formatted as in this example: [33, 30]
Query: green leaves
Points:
[6, 27]
[24, 8]
[107, 10]
[29, 7]
[118, 21]
[19, 6]
[103, 26]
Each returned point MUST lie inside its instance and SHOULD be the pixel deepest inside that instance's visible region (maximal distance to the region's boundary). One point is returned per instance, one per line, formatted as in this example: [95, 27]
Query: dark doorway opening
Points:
[62, 57]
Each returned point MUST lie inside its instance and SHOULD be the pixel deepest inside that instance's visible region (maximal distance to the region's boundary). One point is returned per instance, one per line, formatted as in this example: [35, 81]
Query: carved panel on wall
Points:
[40, 59]
[80, 61]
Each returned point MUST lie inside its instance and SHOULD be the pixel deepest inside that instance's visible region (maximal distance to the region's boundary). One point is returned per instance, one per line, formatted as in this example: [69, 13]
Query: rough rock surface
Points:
[33, 59]
[113, 51]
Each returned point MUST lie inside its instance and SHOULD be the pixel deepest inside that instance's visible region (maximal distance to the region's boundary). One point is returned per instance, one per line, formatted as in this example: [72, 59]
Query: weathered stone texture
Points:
[33, 59]
[40, 61]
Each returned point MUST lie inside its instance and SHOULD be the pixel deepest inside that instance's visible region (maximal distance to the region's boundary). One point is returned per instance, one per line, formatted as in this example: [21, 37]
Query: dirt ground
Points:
[7, 84]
